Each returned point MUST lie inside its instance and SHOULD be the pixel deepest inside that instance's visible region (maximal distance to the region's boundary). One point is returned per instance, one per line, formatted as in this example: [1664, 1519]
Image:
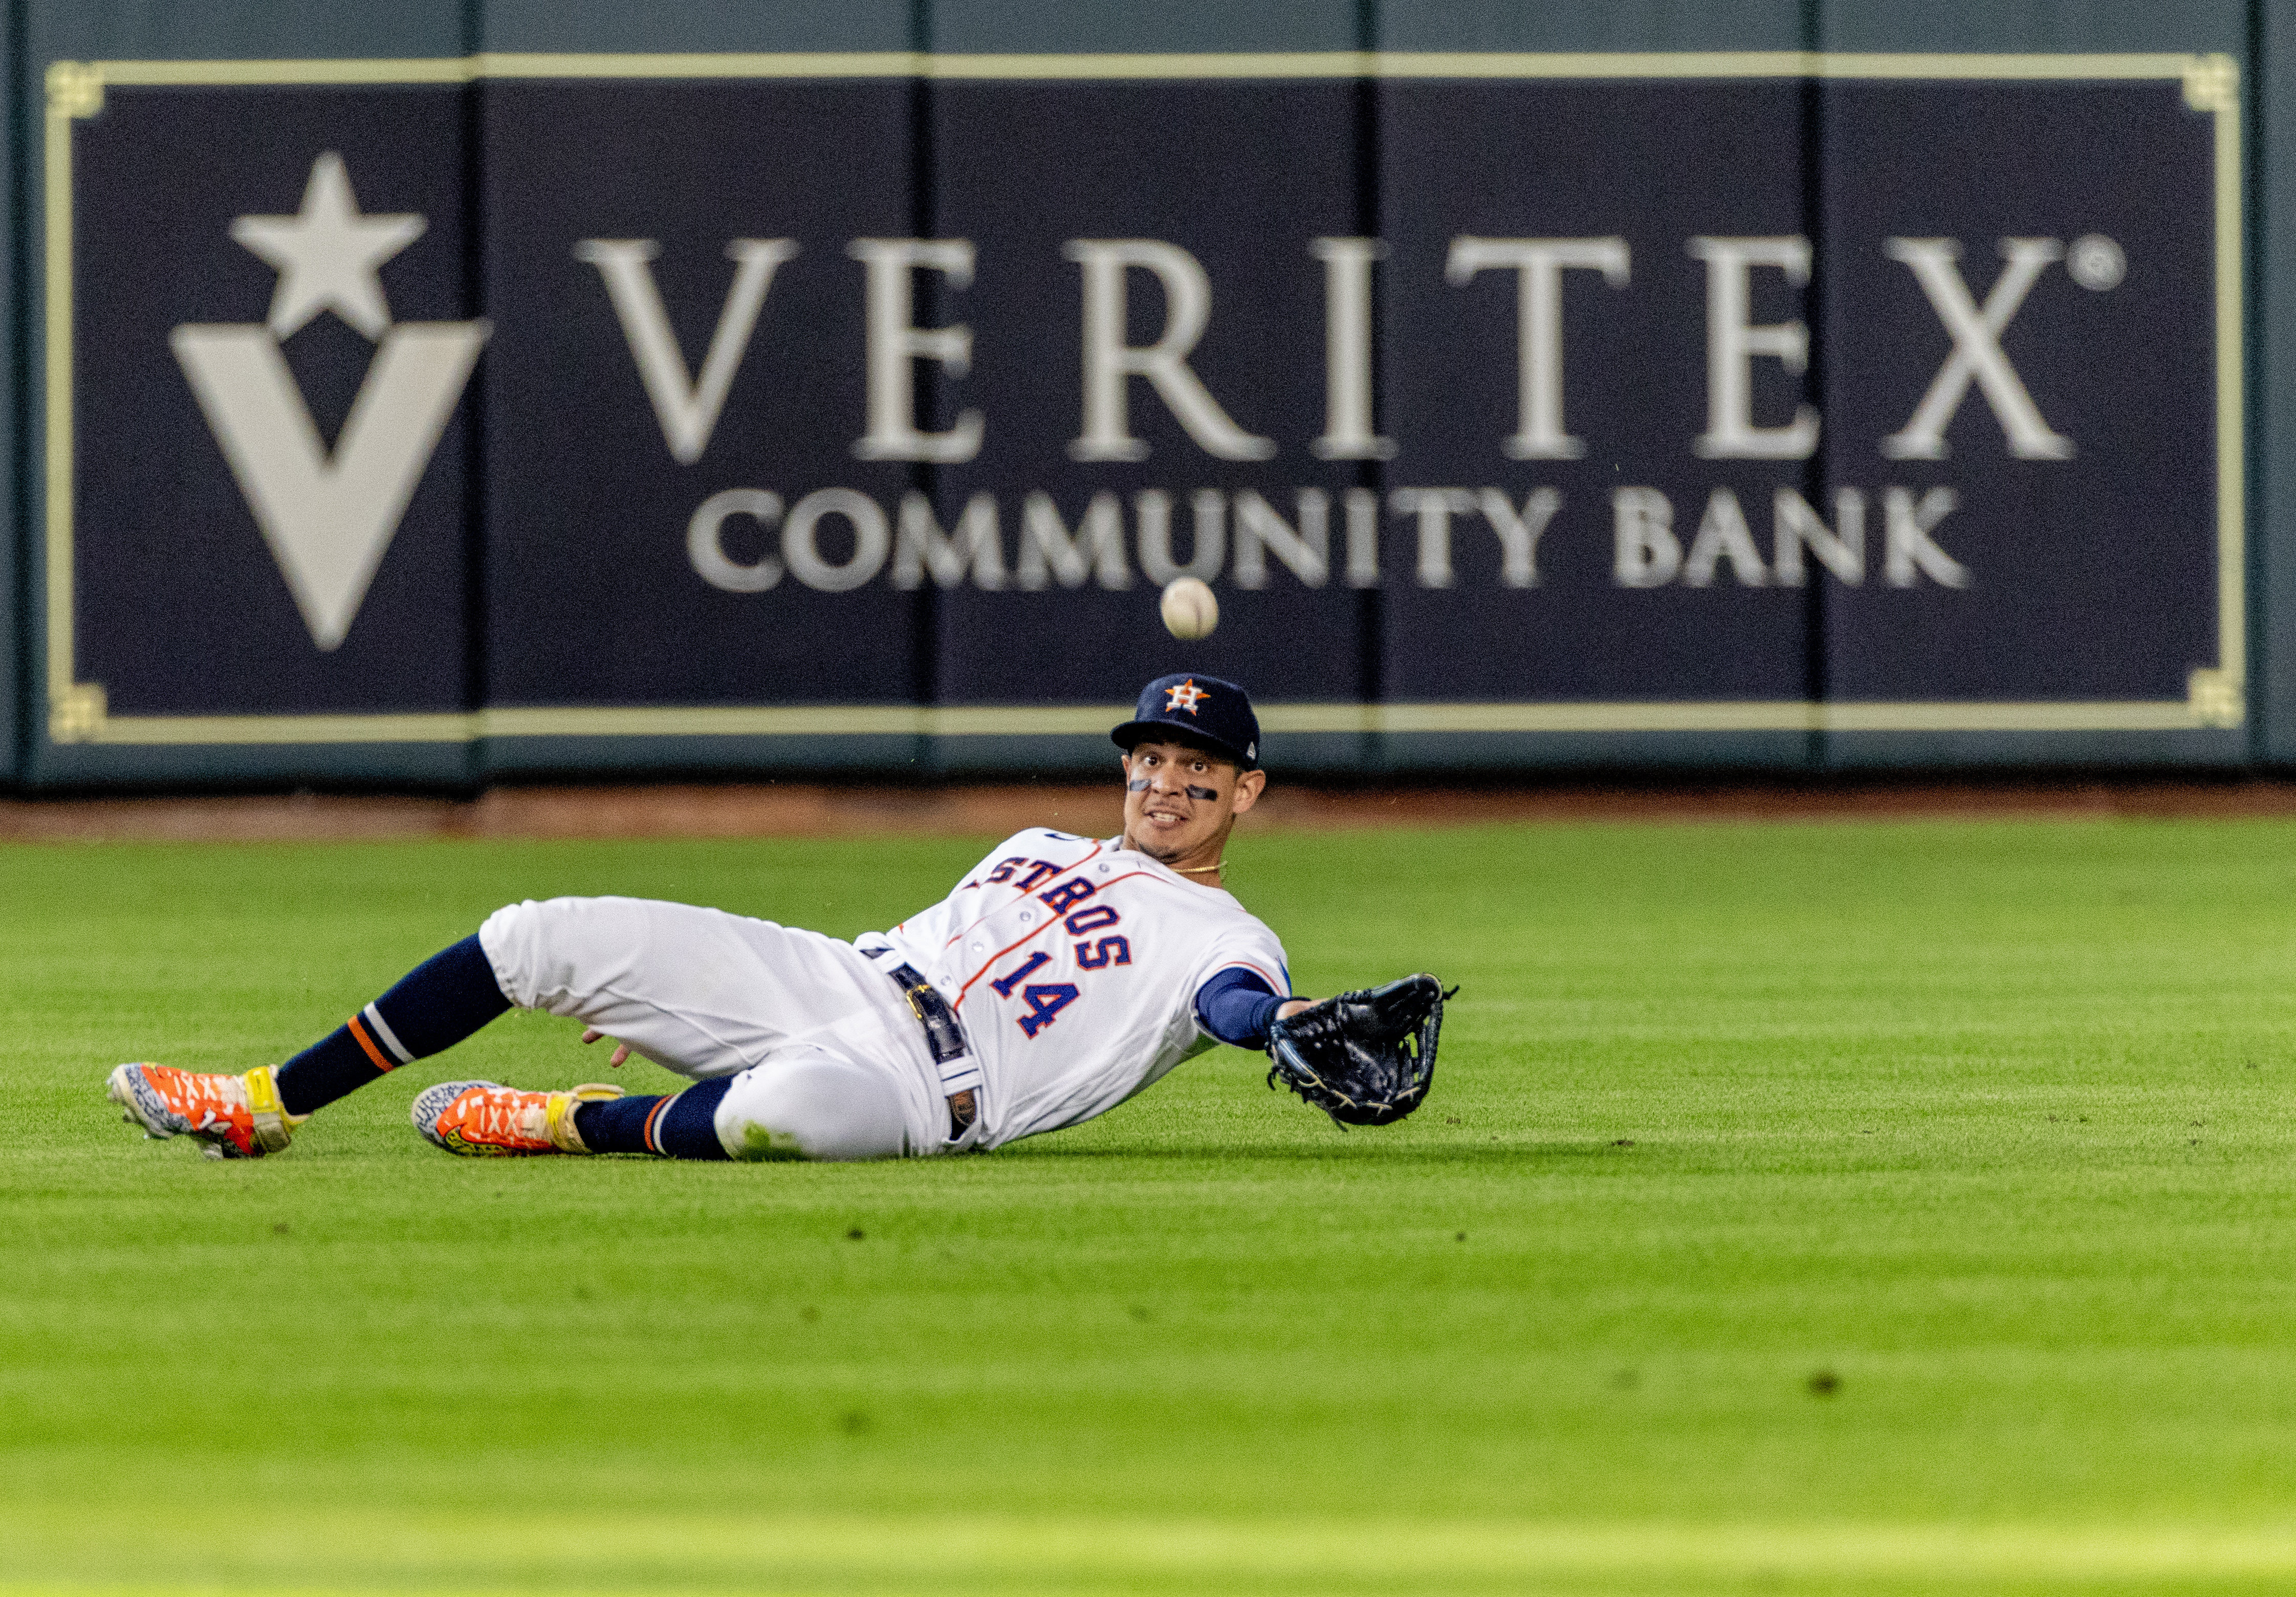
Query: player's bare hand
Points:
[591, 1034]
[1285, 1012]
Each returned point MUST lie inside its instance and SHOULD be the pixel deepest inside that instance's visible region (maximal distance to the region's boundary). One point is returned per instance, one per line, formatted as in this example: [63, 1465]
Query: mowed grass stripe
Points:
[847, 1553]
[1843, 1208]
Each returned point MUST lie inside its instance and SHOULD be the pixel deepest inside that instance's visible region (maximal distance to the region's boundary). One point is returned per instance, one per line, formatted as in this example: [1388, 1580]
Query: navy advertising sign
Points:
[575, 397]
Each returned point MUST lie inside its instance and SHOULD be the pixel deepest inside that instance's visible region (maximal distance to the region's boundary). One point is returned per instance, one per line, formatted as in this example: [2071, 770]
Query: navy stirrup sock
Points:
[432, 1007]
[681, 1126]
[445, 999]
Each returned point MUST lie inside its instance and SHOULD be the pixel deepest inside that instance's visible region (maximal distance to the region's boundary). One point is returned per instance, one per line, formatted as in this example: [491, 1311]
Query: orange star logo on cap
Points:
[1186, 696]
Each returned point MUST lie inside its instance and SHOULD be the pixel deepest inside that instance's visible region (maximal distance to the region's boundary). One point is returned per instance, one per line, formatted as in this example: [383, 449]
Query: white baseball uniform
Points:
[1072, 964]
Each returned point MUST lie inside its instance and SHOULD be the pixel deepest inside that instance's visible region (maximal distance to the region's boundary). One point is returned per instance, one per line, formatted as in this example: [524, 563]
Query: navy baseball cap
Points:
[1197, 709]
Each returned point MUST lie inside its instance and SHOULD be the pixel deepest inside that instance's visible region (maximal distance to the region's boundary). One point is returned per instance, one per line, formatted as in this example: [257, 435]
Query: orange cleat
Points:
[236, 1116]
[480, 1118]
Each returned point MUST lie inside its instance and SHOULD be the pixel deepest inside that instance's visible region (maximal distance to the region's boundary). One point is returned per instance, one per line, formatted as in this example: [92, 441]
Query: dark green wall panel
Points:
[2033, 25]
[1956, 750]
[522, 758]
[679, 27]
[1497, 752]
[2273, 379]
[250, 30]
[13, 522]
[1123, 27]
[1590, 24]
[434, 768]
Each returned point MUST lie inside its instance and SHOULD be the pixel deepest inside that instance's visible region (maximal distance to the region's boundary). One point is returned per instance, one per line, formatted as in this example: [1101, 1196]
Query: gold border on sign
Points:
[2216, 696]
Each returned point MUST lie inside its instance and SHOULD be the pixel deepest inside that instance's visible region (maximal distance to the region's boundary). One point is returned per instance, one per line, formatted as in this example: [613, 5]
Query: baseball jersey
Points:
[1074, 966]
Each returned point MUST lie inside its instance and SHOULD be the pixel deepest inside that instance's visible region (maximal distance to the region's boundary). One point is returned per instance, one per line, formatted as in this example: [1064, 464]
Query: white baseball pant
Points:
[830, 1061]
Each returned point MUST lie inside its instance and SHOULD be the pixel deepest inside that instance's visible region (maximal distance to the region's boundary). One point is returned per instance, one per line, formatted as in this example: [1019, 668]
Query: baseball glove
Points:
[1363, 1058]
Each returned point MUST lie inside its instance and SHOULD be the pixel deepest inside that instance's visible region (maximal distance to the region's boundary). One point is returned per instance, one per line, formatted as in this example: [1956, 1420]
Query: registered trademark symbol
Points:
[2097, 262]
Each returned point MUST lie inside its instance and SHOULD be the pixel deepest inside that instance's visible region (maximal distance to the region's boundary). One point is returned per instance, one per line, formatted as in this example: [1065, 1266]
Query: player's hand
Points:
[591, 1034]
[1284, 1011]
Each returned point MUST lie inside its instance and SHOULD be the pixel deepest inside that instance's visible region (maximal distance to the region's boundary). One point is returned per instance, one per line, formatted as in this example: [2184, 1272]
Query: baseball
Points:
[1191, 610]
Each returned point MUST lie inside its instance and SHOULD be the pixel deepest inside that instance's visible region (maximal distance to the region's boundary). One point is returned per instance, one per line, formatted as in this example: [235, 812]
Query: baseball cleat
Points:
[234, 1117]
[480, 1118]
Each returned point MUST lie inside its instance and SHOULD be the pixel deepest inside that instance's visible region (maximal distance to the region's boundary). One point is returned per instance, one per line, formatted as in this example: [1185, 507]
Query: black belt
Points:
[945, 1038]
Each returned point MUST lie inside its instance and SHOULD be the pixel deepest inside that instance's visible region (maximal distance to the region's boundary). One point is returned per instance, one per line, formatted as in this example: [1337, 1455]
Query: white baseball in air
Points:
[1191, 610]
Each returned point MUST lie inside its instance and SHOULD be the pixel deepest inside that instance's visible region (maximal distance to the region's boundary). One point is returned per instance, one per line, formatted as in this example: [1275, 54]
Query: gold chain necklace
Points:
[1209, 870]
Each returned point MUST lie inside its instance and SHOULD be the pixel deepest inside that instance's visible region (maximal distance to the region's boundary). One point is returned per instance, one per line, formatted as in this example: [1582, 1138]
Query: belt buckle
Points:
[945, 1040]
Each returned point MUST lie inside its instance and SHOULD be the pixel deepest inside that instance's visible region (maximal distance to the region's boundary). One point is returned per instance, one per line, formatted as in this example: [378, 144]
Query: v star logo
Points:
[328, 518]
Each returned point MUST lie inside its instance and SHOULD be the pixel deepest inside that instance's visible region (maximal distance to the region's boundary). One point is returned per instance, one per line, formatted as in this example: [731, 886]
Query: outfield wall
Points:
[462, 391]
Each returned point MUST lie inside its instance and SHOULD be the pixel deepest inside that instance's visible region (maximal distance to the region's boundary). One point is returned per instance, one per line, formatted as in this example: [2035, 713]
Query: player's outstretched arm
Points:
[1239, 1008]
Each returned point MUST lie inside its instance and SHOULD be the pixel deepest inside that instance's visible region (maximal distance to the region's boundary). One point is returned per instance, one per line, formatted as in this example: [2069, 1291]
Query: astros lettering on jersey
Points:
[1074, 966]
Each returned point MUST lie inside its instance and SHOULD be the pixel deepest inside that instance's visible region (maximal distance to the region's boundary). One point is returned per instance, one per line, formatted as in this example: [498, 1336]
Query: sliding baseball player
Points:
[1062, 975]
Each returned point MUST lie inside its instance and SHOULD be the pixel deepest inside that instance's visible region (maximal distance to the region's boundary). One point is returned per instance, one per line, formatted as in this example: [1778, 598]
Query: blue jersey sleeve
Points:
[1238, 1006]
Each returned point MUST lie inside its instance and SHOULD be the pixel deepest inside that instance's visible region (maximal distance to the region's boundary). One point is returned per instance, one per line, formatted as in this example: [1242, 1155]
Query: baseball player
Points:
[1061, 976]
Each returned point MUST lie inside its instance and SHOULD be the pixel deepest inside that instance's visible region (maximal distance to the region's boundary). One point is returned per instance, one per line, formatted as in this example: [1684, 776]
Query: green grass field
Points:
[1989, 1128]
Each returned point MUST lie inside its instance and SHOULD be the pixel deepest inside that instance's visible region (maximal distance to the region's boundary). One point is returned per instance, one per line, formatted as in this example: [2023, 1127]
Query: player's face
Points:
[1180, 802]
